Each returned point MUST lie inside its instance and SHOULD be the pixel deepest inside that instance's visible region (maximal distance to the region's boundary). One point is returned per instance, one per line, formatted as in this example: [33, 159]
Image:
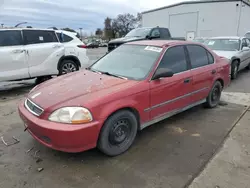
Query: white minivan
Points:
[33, 53]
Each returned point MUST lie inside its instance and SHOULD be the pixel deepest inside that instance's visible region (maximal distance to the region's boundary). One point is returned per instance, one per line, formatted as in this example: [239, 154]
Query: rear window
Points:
[10, 38]
[64, 38]
[39, 36]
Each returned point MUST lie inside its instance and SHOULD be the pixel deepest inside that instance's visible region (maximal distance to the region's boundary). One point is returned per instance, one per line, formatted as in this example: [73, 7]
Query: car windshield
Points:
[223, 44]
[247, 35]
[199, 40]
[129, 61]
[142, 32]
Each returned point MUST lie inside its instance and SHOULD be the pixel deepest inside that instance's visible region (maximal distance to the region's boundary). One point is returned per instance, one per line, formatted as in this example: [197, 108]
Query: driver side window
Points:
[244, 43]
[174, 59]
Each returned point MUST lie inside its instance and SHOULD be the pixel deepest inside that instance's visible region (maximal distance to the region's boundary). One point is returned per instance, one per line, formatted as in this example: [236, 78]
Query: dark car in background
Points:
[93, 44]
[143, 33]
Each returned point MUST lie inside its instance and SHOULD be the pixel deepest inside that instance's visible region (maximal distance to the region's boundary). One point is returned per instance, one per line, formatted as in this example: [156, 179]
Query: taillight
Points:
[82, 46]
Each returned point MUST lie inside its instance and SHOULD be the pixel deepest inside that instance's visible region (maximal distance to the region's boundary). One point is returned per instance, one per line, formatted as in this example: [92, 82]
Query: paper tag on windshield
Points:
[41, 38]
[153, 48]
[211, 42]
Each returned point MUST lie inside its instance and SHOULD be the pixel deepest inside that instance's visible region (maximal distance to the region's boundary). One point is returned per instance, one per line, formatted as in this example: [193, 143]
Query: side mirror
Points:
[162, 73]
[245, 48]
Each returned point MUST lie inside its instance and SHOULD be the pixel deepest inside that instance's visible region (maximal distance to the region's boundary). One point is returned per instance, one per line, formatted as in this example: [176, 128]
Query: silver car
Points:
[236, 49]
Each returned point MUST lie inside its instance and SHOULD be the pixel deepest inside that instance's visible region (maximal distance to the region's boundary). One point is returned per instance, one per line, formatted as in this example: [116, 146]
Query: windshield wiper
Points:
[109, 74]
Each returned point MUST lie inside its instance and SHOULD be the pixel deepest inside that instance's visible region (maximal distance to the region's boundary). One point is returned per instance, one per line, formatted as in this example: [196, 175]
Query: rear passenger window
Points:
[64, 37]
[174, 59]
[210, 58]
[39, 36]
[198, 56]
[10, 38]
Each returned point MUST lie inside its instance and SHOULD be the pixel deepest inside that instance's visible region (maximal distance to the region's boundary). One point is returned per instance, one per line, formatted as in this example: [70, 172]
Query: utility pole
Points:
[80, 33]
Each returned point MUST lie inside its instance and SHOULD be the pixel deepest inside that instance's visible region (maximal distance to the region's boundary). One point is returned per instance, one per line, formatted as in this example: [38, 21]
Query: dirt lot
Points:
[167, 154]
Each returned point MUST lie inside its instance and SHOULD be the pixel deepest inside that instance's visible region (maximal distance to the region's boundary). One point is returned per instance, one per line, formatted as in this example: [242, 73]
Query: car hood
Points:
[87, 84]
[126, 39]
[226, 54]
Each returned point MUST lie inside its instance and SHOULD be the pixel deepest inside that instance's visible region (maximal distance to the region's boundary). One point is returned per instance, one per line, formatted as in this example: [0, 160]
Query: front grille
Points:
[33, 108]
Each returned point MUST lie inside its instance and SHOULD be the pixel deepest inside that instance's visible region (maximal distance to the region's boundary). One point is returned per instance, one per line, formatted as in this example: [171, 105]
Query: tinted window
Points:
[210, 58]
[165, 33]
[130, 61]
[155, 32]
[248, 42]
[64, 38]
[198, 56]
[37, 36]
[174, 59]
[244, 43]
[10, 38]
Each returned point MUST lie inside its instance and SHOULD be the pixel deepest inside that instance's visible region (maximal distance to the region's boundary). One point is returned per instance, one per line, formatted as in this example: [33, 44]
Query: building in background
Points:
[202, 18]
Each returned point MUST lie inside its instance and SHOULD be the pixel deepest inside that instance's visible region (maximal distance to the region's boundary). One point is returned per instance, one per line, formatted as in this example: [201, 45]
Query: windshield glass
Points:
[223, 44]
[247, 35]
[142, 32]
[129, 61]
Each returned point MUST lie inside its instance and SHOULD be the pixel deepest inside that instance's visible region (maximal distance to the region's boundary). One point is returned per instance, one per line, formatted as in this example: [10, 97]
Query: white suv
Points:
[33, 53]
[75, 50]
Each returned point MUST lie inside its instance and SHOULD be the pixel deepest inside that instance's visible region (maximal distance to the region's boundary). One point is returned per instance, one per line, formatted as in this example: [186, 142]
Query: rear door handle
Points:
[187, 80]
[213, 71]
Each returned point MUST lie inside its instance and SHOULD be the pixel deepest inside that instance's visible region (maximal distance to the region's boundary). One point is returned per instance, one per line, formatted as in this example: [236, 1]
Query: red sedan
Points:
[134, 86]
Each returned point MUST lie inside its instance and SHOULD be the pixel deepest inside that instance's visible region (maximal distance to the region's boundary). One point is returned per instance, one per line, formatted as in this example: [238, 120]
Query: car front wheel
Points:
[213, 98]
[234, 69]
[118, 133]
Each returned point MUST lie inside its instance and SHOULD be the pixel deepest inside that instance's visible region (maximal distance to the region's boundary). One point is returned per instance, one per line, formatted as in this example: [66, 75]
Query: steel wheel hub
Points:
[68, 67]
[119, 133]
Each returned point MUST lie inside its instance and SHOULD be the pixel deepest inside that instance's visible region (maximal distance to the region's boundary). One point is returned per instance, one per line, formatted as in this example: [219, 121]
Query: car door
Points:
[43, 52]
[12, 56]
[168, 95]
[203, 71]
[245, 53]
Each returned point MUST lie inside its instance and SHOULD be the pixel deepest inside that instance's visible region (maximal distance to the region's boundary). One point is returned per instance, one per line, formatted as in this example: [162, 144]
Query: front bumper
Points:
[58, 136]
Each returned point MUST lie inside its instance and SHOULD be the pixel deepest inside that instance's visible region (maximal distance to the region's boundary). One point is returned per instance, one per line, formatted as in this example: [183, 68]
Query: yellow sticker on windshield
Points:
[153, 48]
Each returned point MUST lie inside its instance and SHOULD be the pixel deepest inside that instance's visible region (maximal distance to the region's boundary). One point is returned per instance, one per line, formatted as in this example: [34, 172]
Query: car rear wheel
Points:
[213, 98]
[118, 133]
[234, 69]
[68, 66]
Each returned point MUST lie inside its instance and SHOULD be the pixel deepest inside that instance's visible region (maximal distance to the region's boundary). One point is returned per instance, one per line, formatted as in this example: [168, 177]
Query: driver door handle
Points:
[187, 80]
[18, 51]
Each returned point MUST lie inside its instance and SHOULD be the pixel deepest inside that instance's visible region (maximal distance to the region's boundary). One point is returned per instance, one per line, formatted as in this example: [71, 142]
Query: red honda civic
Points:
[136, 85]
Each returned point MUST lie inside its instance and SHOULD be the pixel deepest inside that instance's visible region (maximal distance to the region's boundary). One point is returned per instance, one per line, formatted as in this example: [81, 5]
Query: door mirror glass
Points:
[162, 73]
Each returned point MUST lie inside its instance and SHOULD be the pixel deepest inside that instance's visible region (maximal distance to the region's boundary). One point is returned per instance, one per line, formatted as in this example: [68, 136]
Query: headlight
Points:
[71, 115]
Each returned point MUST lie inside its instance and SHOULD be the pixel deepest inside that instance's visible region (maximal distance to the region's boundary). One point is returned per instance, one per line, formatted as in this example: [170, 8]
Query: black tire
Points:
[42, 79]
[213, 98]
[234, 69]
[248, 66]
[68, 66]
[118, 133]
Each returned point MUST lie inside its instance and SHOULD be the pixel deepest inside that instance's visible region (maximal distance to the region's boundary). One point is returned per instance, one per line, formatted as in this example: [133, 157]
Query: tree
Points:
[69, 29]
[108, 32]
[139, 20]
[98, 32]
[124, 23]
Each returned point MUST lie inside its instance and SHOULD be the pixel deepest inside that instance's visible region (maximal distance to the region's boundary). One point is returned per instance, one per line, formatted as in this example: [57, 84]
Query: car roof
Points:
[227, 37]
[161, 43]
[18, 28]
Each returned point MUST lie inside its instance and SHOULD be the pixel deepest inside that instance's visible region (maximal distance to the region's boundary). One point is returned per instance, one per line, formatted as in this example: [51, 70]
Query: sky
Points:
[86, 14]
